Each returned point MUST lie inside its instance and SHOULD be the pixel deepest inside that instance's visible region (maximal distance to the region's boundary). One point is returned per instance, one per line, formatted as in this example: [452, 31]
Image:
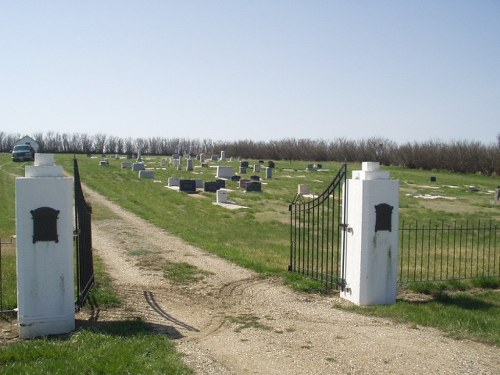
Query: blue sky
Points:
[261, 70]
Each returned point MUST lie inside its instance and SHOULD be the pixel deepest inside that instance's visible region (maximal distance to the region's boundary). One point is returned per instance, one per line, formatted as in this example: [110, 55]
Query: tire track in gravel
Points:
[233, 322]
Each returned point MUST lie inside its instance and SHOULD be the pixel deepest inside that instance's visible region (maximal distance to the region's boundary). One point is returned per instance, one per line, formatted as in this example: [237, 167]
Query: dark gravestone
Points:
[318, 166]
[270, 164]
[235, 178]
[261, 161]
[253, 186]
[187, 186]
[211, 186]
[243, 170]
[433, 179]
[244, 164]
[255, 178]
[221, 184]
[244, 183]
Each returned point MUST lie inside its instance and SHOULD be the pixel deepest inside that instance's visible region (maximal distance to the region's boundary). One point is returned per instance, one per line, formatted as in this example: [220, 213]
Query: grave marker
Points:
[253, 186]
[147, 174]
[224, 171]
[138, 167]
[211, 186]
[173, 181]
[187, 186]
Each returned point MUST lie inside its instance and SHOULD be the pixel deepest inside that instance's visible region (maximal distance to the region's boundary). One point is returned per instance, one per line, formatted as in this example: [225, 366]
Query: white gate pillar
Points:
[44, 230]
[371, 257]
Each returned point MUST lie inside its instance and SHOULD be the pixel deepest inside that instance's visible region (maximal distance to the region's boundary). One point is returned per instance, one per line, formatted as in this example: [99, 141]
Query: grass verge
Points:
[127, 347]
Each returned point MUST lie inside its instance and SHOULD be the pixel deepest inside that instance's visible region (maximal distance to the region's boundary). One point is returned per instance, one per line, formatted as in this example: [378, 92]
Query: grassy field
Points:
[257, 237]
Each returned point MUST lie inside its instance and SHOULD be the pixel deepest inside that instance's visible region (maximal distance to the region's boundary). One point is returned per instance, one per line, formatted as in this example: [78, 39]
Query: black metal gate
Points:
[317, 236]
[83, 242]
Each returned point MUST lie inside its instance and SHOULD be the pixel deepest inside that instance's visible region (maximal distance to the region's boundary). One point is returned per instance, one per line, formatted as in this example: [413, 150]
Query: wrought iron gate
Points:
[83, 242]
[317, 236]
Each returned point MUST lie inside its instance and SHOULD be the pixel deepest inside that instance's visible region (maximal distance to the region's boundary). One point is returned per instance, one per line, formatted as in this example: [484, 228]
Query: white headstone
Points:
[222, 196]
[224, 171]
[303, 189]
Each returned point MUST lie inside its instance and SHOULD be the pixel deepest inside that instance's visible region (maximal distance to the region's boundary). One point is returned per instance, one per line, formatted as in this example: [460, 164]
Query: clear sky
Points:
[261, 70]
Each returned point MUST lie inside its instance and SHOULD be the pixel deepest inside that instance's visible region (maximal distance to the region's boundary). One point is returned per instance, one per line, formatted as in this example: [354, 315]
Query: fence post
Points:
[44, 228]
[371, 249]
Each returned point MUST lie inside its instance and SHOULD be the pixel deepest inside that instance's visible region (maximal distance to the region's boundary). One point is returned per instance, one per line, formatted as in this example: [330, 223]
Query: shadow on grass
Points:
[463, 301]
[128, 328]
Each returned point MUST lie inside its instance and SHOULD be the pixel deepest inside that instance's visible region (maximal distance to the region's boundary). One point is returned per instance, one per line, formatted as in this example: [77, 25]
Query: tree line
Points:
[462, 156]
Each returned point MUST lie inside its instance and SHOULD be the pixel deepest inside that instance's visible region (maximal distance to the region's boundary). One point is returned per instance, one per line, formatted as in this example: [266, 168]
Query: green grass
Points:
[472, 315]
[127, 347]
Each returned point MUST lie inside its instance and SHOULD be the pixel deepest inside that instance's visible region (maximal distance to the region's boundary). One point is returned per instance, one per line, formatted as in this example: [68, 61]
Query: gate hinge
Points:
[346, 227]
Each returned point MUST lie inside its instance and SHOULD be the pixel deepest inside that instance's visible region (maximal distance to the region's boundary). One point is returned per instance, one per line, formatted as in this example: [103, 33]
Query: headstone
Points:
[253, 186]
[211, 186]
[189, 166]
[175, 156]
[222, 196]
[310, 168]
[244, 164]
[244, 183]
[104, 162]
[235, 178]
[138, 167]
[256, 168]
[126, 165]
[215, 158]
[221, 183]
[187, 186]
[173, 181]
[199, 184]
[202, 158]
[318, 166]
[243, 170]
[261, 161]
[497, 194]
[270, 164]
[223, 155]
[269, 173]
[147, 174]
[255, 178]
[433, 179]
[224, 171]
[139, 159]
[303, 189]
[163, 162]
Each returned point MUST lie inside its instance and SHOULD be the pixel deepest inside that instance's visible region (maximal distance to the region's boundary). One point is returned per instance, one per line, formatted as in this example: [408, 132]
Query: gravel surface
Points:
[234, 322]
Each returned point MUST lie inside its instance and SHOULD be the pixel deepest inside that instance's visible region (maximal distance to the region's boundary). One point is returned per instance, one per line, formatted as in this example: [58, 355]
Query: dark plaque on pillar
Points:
[383, 213]
[45, 224]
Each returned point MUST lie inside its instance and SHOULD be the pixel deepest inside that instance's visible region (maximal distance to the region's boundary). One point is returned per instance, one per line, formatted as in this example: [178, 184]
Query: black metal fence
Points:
[7, 276]
[316, 232]
[83, 241]
[438, 252]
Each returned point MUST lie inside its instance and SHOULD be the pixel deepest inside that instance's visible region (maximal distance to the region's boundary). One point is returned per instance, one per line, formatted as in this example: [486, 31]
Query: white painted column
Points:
[371, 257]
[45, 272]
